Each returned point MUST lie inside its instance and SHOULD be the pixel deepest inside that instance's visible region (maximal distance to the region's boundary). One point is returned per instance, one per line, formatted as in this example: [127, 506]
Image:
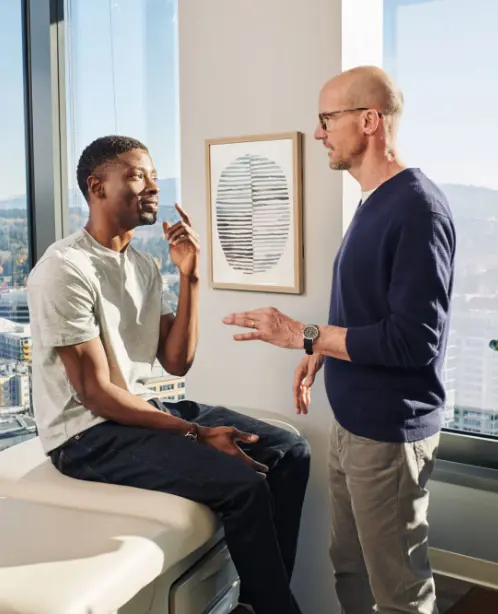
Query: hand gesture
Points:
[184, 244]
[304, 377]
[224, 438]
[269, 325]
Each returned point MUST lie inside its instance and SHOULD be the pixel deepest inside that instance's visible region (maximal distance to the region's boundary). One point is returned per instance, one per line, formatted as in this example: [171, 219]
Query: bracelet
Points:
[193, 432]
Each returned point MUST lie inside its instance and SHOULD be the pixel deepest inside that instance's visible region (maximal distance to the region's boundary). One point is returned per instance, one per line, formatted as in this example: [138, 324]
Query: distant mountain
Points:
[167, 198]
[467, 201]
[14, 202]
[471, 202]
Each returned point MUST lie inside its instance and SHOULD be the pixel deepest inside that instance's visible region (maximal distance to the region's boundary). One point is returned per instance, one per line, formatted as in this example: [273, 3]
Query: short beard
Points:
[147, 218]
[345, 165]
[341, 165]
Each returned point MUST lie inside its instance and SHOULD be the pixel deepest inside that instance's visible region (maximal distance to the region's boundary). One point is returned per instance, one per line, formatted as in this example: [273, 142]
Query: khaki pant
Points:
[379, 524]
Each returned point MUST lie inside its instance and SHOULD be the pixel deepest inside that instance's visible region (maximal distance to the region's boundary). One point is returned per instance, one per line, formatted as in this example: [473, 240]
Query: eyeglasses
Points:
[323, 117]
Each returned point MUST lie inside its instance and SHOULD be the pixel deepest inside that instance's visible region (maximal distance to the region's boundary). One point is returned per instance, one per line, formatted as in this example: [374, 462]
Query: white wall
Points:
[252, 67]
[361, 43]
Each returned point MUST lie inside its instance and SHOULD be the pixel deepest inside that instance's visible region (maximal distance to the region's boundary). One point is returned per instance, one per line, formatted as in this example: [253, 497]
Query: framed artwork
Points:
[255, 213]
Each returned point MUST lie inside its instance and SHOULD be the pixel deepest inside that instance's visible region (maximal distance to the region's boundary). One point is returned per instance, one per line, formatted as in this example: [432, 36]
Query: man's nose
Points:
[152, 186]
[320, 133]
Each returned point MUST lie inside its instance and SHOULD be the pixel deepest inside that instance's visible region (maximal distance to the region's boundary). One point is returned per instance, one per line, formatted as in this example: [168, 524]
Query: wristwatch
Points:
[193, 432]
[310, 335]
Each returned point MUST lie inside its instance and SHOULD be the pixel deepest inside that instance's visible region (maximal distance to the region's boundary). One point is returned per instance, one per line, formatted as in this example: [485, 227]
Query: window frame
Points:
[44, 111]
[476, 450]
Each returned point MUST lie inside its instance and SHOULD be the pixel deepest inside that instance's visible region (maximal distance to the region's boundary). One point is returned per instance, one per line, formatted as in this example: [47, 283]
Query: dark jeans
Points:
[260, 516]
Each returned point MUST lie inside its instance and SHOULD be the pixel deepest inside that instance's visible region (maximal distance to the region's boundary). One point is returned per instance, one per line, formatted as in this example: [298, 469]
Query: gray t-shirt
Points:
[80, 290]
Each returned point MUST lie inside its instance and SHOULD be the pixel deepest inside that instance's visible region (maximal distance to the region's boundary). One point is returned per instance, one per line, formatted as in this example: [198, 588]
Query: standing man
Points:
[383, 351]
[99, 321]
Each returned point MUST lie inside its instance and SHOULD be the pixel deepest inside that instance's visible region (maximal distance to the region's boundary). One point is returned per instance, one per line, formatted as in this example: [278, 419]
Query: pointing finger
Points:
[183, 214]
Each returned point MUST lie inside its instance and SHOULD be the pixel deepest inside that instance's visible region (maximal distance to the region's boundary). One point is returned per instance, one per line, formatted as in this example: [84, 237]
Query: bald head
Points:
[359, 112]
[366, 86]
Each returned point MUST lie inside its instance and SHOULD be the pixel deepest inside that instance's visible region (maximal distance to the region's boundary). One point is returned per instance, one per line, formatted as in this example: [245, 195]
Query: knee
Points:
[301, 448]
[253, 489]
[299, 452]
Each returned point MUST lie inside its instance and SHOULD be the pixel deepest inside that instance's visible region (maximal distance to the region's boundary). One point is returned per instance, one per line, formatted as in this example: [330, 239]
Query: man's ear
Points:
[95, 186]
[371, 122]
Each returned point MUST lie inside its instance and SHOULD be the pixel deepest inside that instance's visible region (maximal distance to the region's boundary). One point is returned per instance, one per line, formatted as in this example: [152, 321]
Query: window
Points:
[442, 53]
[16, 422]
[121, 75]
[121, 78]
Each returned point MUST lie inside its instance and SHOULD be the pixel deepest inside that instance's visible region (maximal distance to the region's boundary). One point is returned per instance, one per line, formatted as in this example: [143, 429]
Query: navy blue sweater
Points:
[392, 284]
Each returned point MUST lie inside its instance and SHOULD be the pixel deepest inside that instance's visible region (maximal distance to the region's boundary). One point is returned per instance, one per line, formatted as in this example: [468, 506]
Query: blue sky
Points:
[121, 76]
[12, 160]
[442, 53]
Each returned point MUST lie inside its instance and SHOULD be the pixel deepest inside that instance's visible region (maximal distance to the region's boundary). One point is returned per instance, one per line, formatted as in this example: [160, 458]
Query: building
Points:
[14, 306]
[473, 365]
[15, 341]
[20, 386]
[479, 421]
[15, 390]
[15, 429]
[167, 387]
[5, 391]
[449, 377]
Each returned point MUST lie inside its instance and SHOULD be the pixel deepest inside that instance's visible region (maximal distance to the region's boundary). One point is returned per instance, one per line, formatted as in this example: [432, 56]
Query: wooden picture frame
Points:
[255, 213]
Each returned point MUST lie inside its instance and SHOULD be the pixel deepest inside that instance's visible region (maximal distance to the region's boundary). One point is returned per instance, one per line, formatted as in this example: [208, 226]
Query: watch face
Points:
[310, 332]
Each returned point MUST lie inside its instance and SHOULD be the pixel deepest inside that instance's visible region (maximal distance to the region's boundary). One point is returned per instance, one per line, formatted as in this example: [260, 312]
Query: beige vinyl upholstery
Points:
[55, 560]
[74, 547]
[69, 546]
[26, 473]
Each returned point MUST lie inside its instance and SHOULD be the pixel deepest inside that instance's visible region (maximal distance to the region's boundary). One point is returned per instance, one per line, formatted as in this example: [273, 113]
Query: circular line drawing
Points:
[253, 213]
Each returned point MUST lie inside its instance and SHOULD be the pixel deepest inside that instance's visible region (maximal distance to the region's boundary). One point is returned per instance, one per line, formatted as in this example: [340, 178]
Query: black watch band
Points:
[310, 335]
[308, 346]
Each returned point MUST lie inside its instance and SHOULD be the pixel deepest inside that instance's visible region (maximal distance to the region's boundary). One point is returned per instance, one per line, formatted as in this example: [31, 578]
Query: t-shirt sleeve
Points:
[62, 304]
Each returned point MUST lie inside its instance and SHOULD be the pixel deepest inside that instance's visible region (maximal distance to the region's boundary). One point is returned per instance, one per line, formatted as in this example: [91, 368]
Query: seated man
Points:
[98, 321]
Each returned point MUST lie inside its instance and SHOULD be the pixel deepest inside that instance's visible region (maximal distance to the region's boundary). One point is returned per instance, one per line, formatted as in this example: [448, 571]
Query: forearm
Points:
[181, 343]
[332, 342]
[114, 403]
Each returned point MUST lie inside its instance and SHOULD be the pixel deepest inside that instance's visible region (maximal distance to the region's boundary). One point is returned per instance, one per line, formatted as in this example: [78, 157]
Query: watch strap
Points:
[308, 346]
